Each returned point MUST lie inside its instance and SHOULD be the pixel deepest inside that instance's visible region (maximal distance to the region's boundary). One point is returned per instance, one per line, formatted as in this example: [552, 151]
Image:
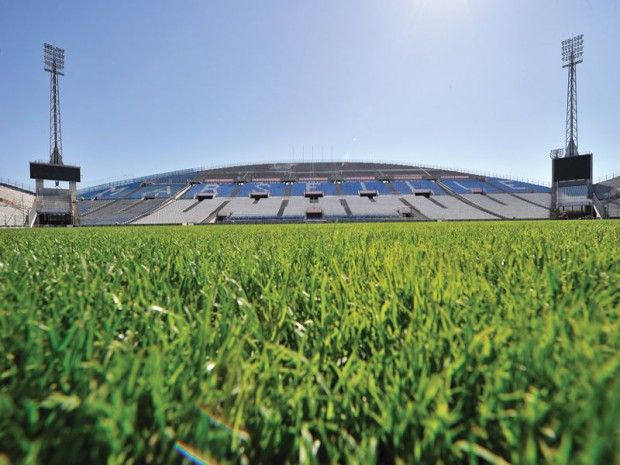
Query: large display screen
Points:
[51, 172]
[572, 168]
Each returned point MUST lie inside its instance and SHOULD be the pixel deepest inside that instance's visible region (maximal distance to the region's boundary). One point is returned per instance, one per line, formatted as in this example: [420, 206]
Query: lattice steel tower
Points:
[54, 58]
[572, 55]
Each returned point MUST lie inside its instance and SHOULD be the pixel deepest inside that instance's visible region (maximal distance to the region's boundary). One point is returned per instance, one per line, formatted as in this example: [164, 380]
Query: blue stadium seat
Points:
[219, 189]
[298, 189]
[402, 187]
[465, 186]
[275, 189]
[378, 186]
[351, 187]
[409, 187]
[427, 184]
[328, 188]
[517, 187]
[118, 192]
[90, 195]
[156, 191]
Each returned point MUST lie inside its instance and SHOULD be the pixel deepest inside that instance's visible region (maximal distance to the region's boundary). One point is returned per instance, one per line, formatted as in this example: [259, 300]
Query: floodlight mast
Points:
[572, 55]
[54, 59]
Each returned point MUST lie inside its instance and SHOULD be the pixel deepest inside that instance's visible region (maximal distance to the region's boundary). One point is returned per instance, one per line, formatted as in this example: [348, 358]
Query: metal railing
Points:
[606, 177]
[17, 184]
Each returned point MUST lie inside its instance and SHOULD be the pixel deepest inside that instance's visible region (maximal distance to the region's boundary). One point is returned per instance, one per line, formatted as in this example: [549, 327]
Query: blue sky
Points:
[155, 86]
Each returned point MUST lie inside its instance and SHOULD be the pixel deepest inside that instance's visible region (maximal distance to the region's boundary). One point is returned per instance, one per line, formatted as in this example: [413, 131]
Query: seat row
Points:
[299, 189]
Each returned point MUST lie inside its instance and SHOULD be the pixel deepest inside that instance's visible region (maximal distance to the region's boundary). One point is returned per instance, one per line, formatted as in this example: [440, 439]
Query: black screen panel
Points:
[572, 168]
[51, 172]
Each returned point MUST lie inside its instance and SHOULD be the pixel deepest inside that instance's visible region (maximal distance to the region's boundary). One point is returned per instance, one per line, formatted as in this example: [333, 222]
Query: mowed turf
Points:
[339, 343]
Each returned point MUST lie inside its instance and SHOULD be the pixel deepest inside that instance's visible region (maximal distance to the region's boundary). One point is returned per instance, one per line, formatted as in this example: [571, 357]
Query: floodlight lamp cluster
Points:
[572, 49]
[54, 57]
[556, 153]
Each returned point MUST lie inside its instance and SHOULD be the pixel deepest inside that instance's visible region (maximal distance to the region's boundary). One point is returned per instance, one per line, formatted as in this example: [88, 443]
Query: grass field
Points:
[371, 343]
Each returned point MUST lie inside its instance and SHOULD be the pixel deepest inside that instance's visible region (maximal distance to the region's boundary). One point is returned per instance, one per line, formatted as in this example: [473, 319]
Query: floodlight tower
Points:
[54, 207]
[54, 58]
[572, 55]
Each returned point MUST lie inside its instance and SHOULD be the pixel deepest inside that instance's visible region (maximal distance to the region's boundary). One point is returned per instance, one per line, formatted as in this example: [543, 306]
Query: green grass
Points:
[361, 343]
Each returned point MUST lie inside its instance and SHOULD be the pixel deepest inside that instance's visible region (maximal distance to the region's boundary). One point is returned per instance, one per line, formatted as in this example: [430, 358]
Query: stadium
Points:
[333, 191]
[315, 192]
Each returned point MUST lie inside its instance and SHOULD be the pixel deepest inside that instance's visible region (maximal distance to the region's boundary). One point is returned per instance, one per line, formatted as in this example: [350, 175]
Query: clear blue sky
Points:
[156, 86]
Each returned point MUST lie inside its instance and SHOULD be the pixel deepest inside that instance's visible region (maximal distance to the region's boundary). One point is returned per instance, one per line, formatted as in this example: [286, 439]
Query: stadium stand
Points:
[351, 188]
[508, 206]
[296, 208]
[274, 189]
[379, 207]
[16, 196]
[112, 193]
[182, 211]
[328, 188]
[605, 192]
[218, 189]
[381, 187]
[156, 191]
[120, 212]
[91, 195]
[608, 197]
[466, 186]
[447, 208]
[299, 188]
[326, 191]
[11, 216]
[540, 199]
[613, 209]
[247, 208]
[402, 187]
[85, 207]
[409, 187]
[15, 206]
[332, 207]
[517, 187]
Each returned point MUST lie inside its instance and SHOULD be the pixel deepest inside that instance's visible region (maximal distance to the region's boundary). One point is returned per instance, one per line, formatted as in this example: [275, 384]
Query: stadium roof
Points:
[283, 171]
[330, 170]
